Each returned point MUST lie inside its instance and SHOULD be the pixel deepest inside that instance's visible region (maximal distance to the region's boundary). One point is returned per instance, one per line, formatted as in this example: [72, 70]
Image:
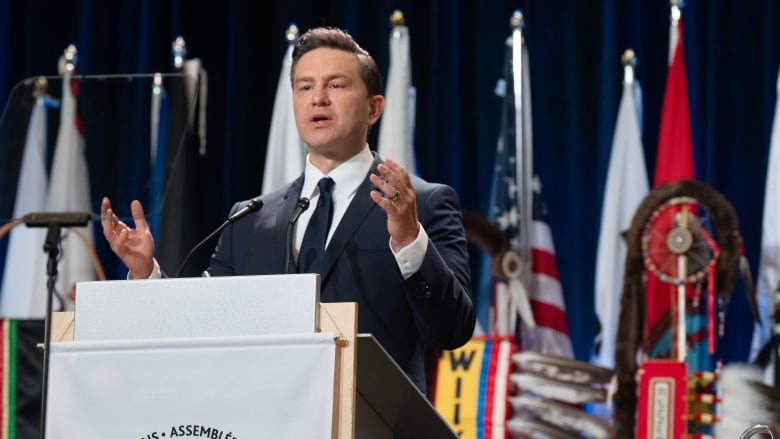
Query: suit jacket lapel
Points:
[356, 213]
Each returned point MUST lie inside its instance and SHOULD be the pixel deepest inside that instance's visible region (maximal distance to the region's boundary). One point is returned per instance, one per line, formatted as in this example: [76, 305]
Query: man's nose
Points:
[321, 96]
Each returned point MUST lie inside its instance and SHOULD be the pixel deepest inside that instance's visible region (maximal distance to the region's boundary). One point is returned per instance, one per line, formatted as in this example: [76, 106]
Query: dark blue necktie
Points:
[313, 245]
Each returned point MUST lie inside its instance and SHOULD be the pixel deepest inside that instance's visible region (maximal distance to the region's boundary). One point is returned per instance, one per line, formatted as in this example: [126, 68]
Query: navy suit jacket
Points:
[432, 308]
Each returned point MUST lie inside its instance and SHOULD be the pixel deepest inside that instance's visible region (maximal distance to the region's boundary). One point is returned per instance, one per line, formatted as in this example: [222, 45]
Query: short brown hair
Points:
[335, 38]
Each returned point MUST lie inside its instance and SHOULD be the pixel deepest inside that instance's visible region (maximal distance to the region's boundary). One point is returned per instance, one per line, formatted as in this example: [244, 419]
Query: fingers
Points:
[105, 205]
[384, 202]
[139, 218]
[107, 219]
[396, 196]
[395, 193]
[397, 174]
[385, 189]
[394, 182]
[116, 231]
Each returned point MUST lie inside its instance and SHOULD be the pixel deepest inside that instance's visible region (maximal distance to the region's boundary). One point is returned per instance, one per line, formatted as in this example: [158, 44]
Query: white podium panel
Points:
[277, 386]
[197, 307]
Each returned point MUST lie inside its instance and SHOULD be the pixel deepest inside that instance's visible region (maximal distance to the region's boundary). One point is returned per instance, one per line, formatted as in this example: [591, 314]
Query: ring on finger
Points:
[396, 196]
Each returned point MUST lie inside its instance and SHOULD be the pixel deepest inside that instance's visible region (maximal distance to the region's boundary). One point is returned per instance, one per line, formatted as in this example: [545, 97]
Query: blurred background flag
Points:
[674, 162]
[181, 222]
[69, 191]
[396, 131]
[529, 283]
[157, 152]
[626, 186]
[21, 378]
[551, 333]
[769, 264]
[25, 244]
[286, 152]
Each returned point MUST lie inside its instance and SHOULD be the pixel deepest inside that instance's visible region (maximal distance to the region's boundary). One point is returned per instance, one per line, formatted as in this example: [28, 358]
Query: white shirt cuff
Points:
[156, 271]
[410, 258]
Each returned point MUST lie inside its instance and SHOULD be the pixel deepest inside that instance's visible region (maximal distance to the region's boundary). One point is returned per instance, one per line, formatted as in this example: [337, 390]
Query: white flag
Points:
[626, 187]
[769, 264]
[286, 153]
[396, 133]
[69, 192]
[25, 245]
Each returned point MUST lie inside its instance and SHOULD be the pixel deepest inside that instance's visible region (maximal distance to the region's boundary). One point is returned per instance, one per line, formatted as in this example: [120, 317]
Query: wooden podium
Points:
[372, 397]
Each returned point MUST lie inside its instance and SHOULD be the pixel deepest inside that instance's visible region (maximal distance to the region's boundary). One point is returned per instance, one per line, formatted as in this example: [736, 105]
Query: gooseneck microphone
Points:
[303, 204]
[252, 206]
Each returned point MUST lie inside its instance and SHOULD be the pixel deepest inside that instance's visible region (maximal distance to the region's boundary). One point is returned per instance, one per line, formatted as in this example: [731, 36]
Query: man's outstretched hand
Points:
[135, 247]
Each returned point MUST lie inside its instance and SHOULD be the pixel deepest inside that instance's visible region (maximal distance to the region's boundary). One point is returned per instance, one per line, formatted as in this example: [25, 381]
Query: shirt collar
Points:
[348, 176]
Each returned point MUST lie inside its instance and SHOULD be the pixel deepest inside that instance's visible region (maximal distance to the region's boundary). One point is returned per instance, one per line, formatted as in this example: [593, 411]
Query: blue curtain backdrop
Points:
[732, 52]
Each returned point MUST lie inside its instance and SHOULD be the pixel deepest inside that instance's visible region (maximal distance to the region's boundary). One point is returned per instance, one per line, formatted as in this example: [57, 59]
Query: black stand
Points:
[52, 247]
[54, 221]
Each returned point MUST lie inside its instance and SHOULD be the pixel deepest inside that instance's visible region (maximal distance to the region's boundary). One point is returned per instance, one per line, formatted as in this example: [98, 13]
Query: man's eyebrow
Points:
[303, 79]
[330, 77]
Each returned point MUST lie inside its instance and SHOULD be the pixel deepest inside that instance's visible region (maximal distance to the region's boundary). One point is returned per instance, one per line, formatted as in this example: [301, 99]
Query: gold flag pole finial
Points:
[629, 62]
[41, 87]
[397, 18]
[628, 58]
[291, 34]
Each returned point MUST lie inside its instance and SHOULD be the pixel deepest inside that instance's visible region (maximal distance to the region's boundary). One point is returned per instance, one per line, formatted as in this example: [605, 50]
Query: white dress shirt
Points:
[347, 177]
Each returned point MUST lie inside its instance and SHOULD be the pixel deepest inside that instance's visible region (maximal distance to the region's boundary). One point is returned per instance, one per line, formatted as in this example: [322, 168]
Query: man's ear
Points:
[376, 104]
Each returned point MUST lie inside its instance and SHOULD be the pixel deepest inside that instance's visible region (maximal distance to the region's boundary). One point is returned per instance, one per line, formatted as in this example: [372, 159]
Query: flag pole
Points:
[524, 154]
[66, 65]
[285, 154]
[629, 62]
[674, 30]
[681, 330]
[291, 34]
[179, 51]
[396, 132]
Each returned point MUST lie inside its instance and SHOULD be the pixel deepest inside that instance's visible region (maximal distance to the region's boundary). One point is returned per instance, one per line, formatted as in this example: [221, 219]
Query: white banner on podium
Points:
[219, 388]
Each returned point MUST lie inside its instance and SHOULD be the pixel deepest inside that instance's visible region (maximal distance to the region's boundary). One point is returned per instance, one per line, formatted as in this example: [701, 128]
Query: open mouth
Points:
[319, 119]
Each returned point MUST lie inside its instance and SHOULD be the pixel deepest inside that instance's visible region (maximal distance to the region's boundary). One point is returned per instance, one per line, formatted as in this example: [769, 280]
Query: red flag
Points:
[674, 162]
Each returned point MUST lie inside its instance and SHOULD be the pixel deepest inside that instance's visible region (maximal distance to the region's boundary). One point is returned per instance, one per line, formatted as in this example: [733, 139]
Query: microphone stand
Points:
[252, 206]
[53, 221]
[302, 205]
[50, 246]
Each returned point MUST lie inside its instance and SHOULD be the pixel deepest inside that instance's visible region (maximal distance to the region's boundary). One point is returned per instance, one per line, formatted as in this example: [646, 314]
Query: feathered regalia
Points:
[684, 235]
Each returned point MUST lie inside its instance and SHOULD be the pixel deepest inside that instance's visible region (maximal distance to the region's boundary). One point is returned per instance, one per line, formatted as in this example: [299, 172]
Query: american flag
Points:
[516, 210]
[551, 334]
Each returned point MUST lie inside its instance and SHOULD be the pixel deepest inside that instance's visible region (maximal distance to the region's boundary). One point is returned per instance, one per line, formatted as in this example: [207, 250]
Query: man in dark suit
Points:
[394, 243]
